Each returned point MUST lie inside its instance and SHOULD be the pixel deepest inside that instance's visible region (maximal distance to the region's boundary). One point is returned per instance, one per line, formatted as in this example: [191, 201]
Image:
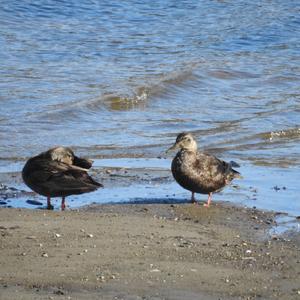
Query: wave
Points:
[136, 98]
[288, 134]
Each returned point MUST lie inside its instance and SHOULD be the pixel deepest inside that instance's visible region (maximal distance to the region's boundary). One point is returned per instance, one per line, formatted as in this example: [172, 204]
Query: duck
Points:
[58, 172]
[197, 171]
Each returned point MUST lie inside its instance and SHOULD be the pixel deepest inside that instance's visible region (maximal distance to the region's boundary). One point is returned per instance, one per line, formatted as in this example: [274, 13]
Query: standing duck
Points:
[197, 171]
[59, 173]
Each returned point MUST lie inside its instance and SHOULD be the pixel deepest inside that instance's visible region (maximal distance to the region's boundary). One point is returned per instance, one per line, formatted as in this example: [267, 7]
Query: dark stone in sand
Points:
[58, 292]
[34, 202]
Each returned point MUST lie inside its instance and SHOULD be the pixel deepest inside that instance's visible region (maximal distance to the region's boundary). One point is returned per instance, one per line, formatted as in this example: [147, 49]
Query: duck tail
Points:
[234, 164]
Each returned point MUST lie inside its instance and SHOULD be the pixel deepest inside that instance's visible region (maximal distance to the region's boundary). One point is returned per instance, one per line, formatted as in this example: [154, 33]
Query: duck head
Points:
[184, 141]
[62, 154]
[67, 156]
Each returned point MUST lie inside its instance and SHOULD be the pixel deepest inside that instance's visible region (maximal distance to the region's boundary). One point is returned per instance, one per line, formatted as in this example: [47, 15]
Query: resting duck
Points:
[197, 171]
[59, 173]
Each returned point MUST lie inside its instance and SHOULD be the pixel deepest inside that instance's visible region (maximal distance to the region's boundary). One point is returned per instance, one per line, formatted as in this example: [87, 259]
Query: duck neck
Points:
[190, 149]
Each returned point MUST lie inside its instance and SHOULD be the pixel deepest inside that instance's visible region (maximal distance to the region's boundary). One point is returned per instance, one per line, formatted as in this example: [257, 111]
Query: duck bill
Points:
[174, 147]
[78, 168]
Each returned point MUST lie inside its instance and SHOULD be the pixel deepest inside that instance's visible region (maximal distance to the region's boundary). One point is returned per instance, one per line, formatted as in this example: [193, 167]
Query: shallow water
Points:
[124, 78]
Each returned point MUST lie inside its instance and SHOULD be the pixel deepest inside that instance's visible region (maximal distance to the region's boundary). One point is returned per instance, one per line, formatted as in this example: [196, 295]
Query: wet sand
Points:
[146, 251]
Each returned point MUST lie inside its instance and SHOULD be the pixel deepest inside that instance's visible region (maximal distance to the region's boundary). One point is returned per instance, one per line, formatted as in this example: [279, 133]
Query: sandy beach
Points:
[117, 82]
[146, 251]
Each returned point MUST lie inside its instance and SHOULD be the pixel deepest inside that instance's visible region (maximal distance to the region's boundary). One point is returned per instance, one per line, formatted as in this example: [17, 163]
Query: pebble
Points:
[57, 235]
[228, 254]
[155, 270]
[90, 235]
[45, 255]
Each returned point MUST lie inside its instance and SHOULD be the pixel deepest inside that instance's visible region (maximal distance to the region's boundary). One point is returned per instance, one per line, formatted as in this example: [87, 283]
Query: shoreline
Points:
[146, 251]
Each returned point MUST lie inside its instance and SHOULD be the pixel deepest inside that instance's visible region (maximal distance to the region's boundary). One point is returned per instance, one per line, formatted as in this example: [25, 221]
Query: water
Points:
[123, 78]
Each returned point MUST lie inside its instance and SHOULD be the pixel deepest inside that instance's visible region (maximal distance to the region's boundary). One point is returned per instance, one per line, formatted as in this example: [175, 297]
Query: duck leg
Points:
[49, 205]
[208, 200]
[63, 204]
[193, 199]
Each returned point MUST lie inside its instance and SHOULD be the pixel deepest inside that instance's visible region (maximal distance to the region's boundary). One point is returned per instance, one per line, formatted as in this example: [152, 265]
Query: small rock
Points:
[57, 235]
[155, 270]
[45, 254]
[228, 254]
[58, 292]
[101, 278]
[90, 235]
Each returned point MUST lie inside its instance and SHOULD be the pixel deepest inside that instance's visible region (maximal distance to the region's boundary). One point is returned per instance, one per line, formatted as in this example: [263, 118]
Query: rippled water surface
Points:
[114, 78]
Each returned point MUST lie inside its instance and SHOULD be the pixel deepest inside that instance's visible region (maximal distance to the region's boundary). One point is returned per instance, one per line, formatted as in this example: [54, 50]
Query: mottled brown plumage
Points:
[59, 173]
[197, 171]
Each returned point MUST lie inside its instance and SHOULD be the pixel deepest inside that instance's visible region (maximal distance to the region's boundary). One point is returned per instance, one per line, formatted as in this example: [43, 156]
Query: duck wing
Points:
[213, 168]
[57, 179]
